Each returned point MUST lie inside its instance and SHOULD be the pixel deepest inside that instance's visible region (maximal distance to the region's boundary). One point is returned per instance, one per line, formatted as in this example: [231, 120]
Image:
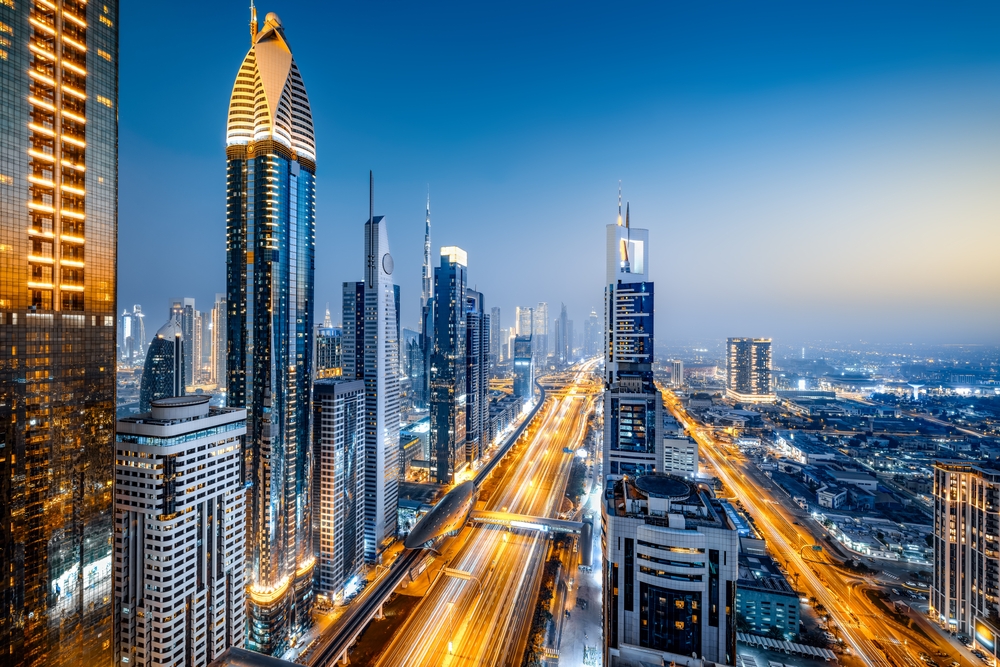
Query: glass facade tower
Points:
[58, 237]
[270, 217]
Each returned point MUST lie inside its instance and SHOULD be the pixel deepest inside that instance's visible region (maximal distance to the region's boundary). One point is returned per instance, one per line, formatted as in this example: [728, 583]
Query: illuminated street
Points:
[485, 620]
[869, 633]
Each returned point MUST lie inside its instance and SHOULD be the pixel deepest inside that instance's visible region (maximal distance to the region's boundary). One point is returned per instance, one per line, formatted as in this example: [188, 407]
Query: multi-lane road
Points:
[875, 639]
[485, 619]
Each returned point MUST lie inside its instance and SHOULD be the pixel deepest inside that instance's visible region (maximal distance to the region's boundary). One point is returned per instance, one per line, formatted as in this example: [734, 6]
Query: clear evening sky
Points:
[807, 170]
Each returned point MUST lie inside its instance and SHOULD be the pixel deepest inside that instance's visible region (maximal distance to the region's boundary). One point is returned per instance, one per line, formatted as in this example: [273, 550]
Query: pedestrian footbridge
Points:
[524, 522]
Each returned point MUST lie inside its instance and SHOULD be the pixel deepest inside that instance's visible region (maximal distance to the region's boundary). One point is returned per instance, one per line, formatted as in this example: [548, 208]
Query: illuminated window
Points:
[104, 54]
[105, 101]
[106, 21]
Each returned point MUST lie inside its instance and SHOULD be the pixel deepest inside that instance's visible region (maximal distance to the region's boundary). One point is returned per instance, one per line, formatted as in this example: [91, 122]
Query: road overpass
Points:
[523, 522]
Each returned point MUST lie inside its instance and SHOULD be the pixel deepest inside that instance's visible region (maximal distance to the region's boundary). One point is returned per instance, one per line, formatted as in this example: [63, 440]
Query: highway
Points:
[485, 619]
[874, 638]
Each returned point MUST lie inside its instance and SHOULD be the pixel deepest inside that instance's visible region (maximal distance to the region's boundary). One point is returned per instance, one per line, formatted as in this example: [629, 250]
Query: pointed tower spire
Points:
[626, 215]
[253, 22]
[371, 196]
[619, 203]
[426, 275]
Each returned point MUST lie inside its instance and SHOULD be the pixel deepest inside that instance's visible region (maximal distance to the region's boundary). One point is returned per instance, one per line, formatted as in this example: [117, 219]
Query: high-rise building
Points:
[338, 483]
[670, 574]
[220, 355]
[563, 339]
[524, 368]
[477, 376]
[677, 373]
[189, 319]
[329, 355]
[163, 372]
[353, 343]
[381, 376]
[495, 339]
[448, 366]
[523, 321]
[131, 337]
[965, 593]
[427, 271]
[58, 231]
[748, 370]
[271, 224]
[540, 334]
[180, 534]
[592, 335]
[633, 408]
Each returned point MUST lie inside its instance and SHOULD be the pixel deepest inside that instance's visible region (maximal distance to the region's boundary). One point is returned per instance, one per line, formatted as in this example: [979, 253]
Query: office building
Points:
[523, 321]
[670, 569]
[271, 224]
[180, 534]
[748, 370]
[677, 373]
[353, 336]
[188, 319]
[765, 602]
[563, 339]
[633, 408]
[328, 358]
[59, 197]
[378, 356]
[448, 400]
[680, 456]
[592, 335]
[338, 483]
[163, 373]
[495, 339]
[220, 354]
[966, 587]
[131, 337]
[477, 376]
[524, 369]
[540, 334]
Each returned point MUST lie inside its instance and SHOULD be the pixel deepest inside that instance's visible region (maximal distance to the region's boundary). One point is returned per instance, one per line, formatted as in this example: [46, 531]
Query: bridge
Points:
[519, 521]
[334, 648]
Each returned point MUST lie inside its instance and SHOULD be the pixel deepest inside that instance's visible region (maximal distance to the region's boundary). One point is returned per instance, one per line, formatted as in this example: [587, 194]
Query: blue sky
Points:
[806, 170]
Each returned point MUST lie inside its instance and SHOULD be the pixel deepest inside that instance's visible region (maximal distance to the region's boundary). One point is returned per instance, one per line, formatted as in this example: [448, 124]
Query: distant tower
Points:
[426, 275]
[916, 390]
[163, 374]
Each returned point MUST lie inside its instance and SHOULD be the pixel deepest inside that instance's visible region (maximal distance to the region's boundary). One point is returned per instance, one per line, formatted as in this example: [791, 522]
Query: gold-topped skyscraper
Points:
[270, 237]
[58, 242]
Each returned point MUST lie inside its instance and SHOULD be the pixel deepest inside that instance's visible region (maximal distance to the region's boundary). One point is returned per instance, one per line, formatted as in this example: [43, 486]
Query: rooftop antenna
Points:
[371, 197]
[253, 22]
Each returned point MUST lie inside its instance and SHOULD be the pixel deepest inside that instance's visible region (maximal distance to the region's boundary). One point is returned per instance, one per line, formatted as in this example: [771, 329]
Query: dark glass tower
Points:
[58, 237]
[163, 374]
[271, 220]
[447, 366]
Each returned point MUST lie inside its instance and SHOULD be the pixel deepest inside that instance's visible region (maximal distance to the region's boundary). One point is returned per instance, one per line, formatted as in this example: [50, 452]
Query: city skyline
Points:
[859, 153]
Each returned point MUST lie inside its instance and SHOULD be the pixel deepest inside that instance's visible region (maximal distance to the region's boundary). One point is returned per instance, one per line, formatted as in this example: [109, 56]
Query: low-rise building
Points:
[765, 599]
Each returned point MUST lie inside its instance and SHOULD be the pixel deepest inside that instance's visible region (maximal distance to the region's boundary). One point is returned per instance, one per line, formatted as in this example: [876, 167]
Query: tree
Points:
[742, 624]
[774, 632]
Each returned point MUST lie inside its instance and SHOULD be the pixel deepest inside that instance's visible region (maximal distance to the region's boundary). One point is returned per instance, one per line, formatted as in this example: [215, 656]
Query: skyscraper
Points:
[163, 372]
[271, 220]
[540, 334]
[477, 376]
[427, 271]
[495, 338]
[58, 229]
[381, 375]
[563, 338]
[448, 366]
[633, 409]
[524, 368]
[183, 524]
[192, 337]
[131, 337]
[748, 370]
[220, 354]
[963, 595]
[338, 482]
[523, 321]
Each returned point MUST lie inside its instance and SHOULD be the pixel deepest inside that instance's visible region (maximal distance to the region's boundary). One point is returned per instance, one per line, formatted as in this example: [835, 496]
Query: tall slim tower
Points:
[426, 273]
[381, 376]
[58, 237]
[271, 221]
